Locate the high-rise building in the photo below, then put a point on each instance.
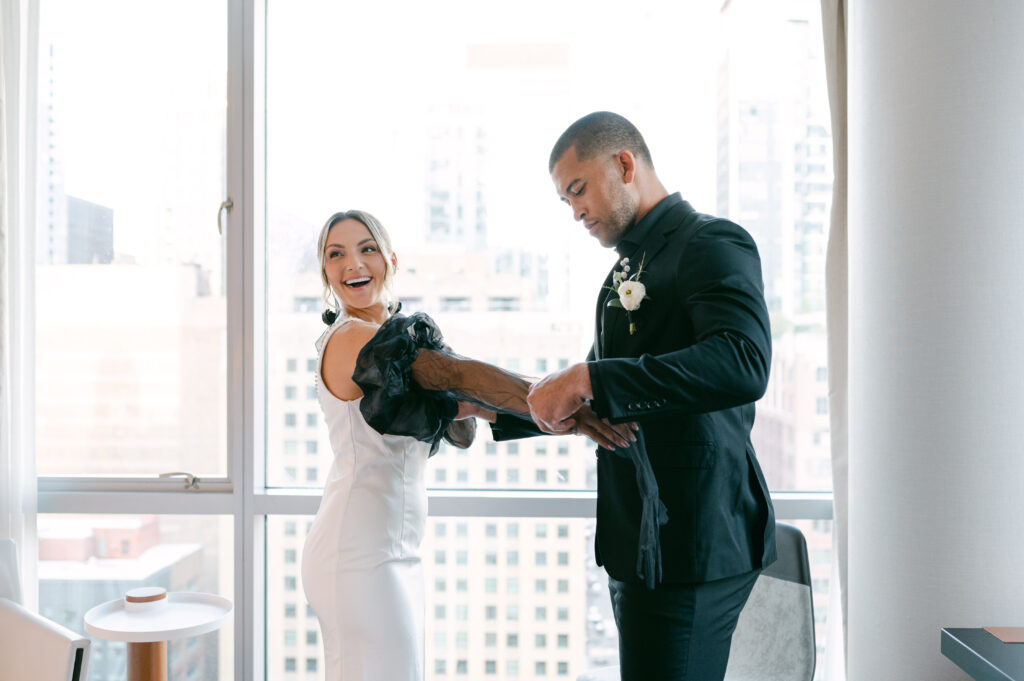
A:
(90, 229)
(774, 178)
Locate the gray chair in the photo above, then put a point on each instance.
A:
(33, 648)
(774, 637)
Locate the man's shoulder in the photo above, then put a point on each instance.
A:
(690, 223)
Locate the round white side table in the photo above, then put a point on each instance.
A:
(147, 617)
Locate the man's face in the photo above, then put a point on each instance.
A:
(598, 194)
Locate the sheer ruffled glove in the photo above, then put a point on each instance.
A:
(653, 513)
(412, 382)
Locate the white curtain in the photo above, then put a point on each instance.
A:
(834, 22)
(18, 40)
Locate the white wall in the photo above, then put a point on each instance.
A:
(936, 227)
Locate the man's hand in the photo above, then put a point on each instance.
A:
(602, 433)
(555, 398)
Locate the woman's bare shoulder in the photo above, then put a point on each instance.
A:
(340, 357)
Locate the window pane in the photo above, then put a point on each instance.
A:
(130, 312)
(85, 561)
(454, 170)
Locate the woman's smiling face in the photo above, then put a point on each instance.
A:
(355, 267)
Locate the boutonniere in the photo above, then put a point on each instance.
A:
(631, 292)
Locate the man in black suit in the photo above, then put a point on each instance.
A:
(682, 349)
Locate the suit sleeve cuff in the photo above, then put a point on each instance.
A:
(508, 427)
(598, 402)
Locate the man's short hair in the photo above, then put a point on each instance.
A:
(601, 132)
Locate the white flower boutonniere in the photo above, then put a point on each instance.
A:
(631, 292)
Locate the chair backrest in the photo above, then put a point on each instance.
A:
(774, 637)
(10, 584)
(33, 648)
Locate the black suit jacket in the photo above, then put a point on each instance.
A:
(689, 375)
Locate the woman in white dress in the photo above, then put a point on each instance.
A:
(389, 390)
(361, 567)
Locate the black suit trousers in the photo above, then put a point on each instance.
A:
(678, 632)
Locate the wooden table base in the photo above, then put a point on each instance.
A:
(147, 661)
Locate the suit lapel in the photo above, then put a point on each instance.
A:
(612, 323)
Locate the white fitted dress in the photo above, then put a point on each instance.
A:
(361, 567)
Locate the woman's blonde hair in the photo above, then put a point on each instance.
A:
(379, 234)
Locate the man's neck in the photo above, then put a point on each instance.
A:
(649, 198)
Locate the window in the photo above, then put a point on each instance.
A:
(540, 641)
(221, 382)
(455, 304)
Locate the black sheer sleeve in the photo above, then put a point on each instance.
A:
(412, 382)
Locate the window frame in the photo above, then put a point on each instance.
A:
(243, 493)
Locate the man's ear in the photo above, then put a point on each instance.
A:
(626, 165)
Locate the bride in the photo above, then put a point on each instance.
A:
(390, 390)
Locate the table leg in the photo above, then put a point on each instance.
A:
(147, 661)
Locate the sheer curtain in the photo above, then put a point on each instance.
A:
(18, 40)
(834, 22)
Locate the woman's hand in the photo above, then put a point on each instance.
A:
(468, 410)
(602, 433)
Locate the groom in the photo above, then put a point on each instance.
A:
(682, 348)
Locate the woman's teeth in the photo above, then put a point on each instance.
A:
(356, 283)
